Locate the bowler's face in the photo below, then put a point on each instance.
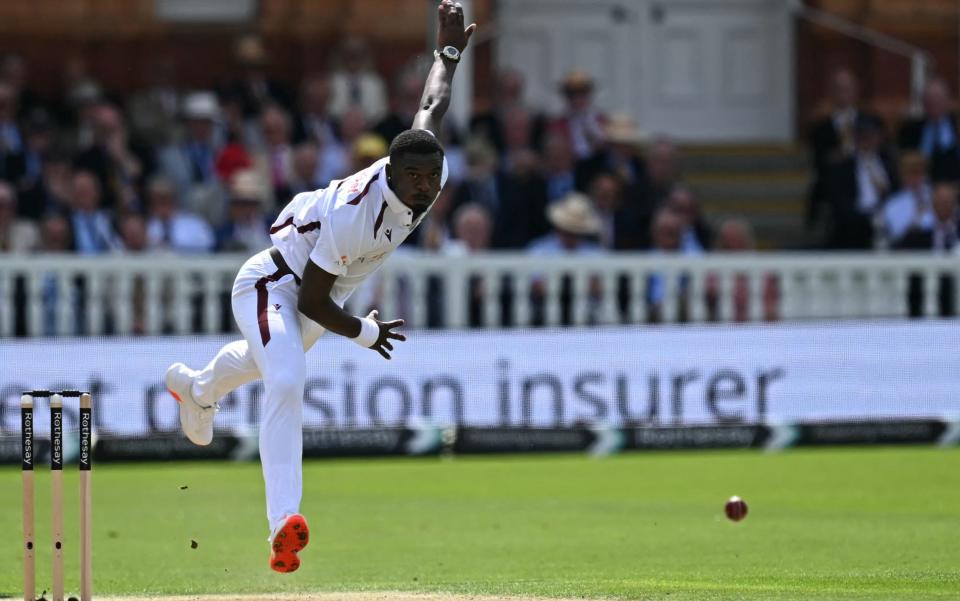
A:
(416, 179)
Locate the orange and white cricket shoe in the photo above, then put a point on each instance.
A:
(288, 540)
(196, 420)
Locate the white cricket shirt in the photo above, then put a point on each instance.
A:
(348, 228)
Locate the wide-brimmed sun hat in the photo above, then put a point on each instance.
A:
(574, 213)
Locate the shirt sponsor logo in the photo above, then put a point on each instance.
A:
(373, 258)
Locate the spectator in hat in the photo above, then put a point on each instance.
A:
(858, 186)
(935, 133)
(621, 157)
(247, 226)
(254, 89)
(832, 139)
(910, 210)
(576, 226)
(620, 153)
(171, 228)
(581, 123)
(191, 163)
(355, 84)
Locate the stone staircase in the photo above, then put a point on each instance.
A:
(766, 184)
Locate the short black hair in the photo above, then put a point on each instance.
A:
(414, 141)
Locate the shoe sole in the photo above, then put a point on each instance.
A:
(292, 538)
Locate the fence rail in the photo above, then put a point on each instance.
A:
(68, 295)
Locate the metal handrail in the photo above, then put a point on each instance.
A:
(920, 60)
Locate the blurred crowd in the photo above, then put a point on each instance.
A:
(162, 169)
(199, 171)
(874, 190)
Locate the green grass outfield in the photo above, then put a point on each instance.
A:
(864, 523)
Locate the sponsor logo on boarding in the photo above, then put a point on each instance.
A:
(84, 438)
(27, 441)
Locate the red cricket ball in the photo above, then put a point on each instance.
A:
(736, 509)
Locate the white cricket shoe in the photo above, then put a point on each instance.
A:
(196, 420)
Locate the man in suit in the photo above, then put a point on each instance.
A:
(581, 123)
(857, 185)
(832, 139)
(943, 236)
(935, 134)
(910, 209)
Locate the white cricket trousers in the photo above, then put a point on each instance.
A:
(276, 338)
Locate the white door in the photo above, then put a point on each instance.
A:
(717, 69)
(698, 70)
(545, 39)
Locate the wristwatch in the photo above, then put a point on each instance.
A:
(448, 52)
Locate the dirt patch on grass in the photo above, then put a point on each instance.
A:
(371, 596)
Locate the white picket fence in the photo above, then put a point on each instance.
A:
(157, 294)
